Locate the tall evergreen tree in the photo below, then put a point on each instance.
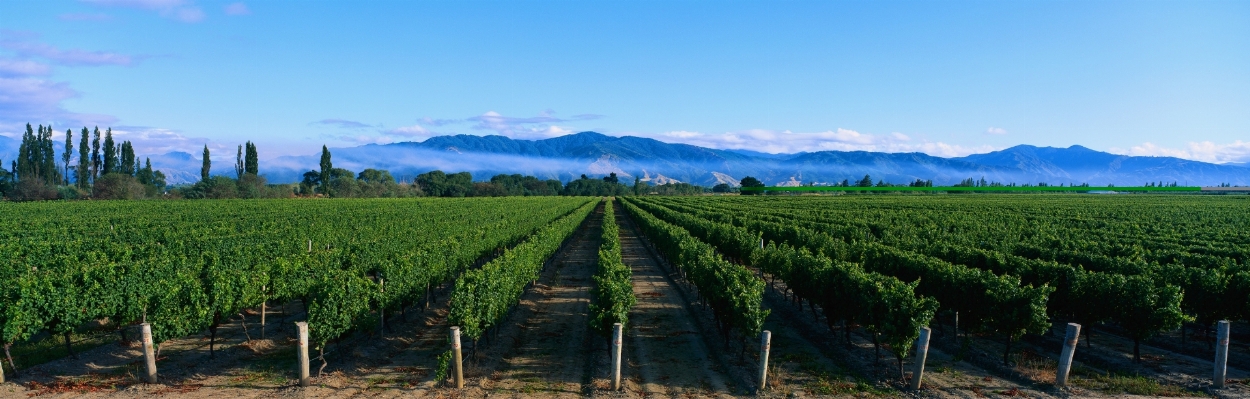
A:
(69, 150)
(84, 159)
(25, 168)
(251, 160)
(238, 163)
(128, 164)
(206, 167)
(96, 162)
(144, 174)
(36, 160)
(865, 182)
(49, 159)
(110, 154)
(326, 167)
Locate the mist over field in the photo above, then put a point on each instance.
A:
(596, 155)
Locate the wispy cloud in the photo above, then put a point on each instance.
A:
(343, 123)
(85, 17)
(786, 141)
(545, 125)
(180, 10)
(237, 9)
(1205, 151)
(17, 67)
(998, 131)
(362, 139)
(427, 121)
(27, 95)
(155, 140)
(27, 99)
(411, 132)
(26, 44)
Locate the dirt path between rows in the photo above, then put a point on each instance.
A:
(543, 349)
(666, 352)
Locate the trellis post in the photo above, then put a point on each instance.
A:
(149, 353)
(455, 347)
(616, 356)
(922, 353)
(1221, 354)
(303, 353)
(766, 338)
(1070, 339)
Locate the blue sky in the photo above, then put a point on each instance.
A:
(945, 78)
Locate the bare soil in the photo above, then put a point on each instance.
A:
(665, 346)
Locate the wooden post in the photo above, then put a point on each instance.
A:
(617, 340)
(149, 353)
(302, 351)
(766, 338)
(761, 270)
(956, 327)
(1221, 354)
(310, 246)
(262, 312)
(455, 348)
(922, 353)
(1069, 350)
(382, 310)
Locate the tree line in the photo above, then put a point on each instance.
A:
(103, 170)
(106, 169)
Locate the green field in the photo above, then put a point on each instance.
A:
(1009, 265)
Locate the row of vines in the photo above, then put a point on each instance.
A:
(613, 292)
(1008, 264)
(188, 267)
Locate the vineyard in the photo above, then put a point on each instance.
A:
(844, 284)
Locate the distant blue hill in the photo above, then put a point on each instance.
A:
(596, 155)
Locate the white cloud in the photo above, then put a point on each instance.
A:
(27, 96)
(414, 131)
(181, 10)
(428, 121)
(155, 140)
(772, 141)
(26, 45)
(526, 128)
(237, 9)
(18, 67)
(998, 131)
(366, 139)
(1205, 151)
(343, 123)
(85, 17)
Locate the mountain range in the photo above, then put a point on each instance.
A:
(595, 155)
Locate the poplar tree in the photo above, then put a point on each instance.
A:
(36, 160)
(326, 166)
(238, 163)
(207, 165)
(251, 160)
(69, 150)
(95, 155)
(110, 154)
(128, 164)
(25, 169)
(49, 158)
(84, 159)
